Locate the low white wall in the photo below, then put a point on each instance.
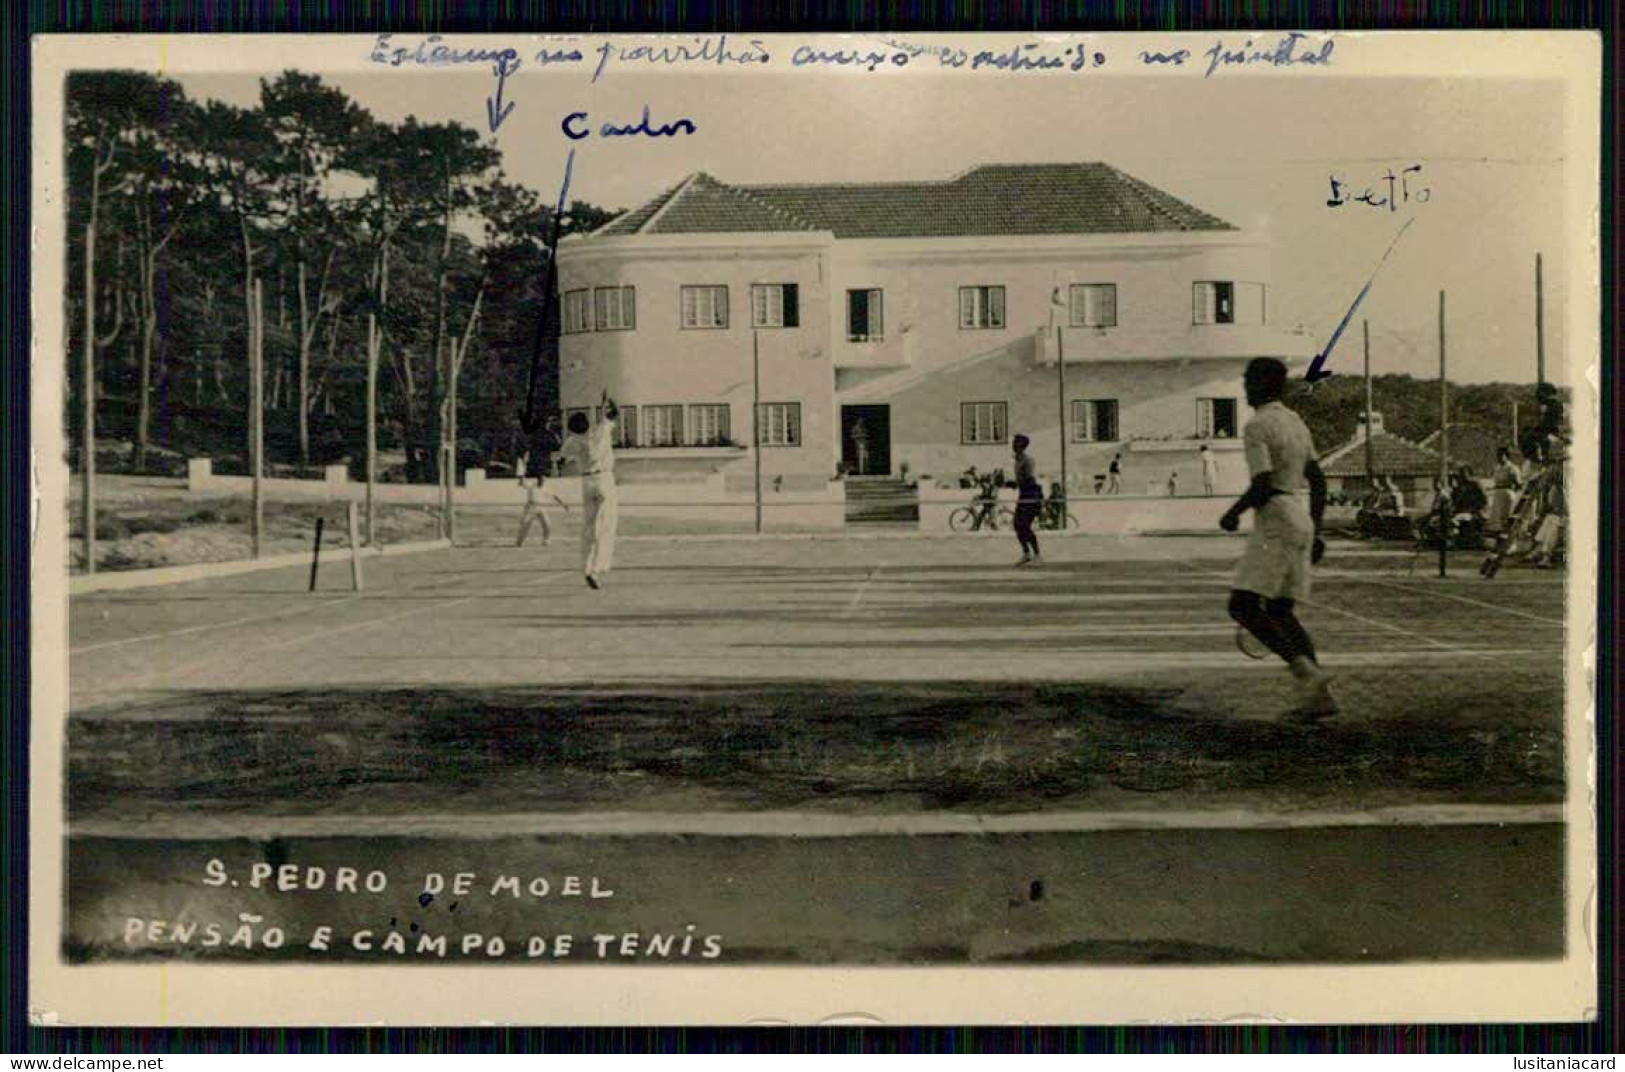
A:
(690, 501)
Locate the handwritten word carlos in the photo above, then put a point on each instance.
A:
(1399, 191)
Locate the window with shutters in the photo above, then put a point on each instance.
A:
(1094, 305)
(708, 425)
(981, 307)
(778, 424)
(705, 307)
(662, 426)
(983, 423)
(577, 311)
(1227, 303)
(615, 308)
(1094, 420)
(775, 305)
(626, 427)
(864, 320)
(1216, 418)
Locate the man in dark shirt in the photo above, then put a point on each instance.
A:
(1030, 496)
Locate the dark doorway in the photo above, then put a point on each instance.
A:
(866, 440)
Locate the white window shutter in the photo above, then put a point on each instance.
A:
(967, 307)
(1108, 306)
(1203, 297)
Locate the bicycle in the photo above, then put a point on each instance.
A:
(984, 511)
(1053, 515)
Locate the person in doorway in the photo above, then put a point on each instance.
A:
(1210, 470)
(860, 446)
(1029, 501)
(589, 450)
(1114, 475)
(1273, 576)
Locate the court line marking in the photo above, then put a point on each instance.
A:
(1459, 599)
(188, 667)
(253, 619)
(106, 644)
(791, 824)
(857, 597)
(1339, 610)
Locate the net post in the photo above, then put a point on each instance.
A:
(352, 516)
(316, 553)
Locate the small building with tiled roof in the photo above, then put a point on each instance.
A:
(1474, 446)
(880, 325)
(1411, 465)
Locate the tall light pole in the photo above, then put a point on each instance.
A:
(756, 417)
(1540, 325)
(1444, 446)
(1057, 301)
(1370, 467)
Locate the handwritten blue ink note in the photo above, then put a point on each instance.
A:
(430, 53)
(708, 50)
(495, 110)
(1399, 191)
(575, 127)
(1284, 54)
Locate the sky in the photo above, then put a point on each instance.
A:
(1257, 152)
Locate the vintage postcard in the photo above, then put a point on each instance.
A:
(769, 529)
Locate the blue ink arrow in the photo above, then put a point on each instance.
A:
(495, 110)
(1316, 372)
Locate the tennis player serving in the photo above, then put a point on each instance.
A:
(1273, 575)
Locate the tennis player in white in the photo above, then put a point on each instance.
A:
(1288, 497)
(589, 449)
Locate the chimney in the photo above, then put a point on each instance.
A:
(1376, 425)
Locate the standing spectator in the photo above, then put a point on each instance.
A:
(1114, 475)
(1210, 470)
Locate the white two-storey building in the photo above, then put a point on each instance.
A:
(873, 326)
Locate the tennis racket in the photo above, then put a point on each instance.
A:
(1250, 645)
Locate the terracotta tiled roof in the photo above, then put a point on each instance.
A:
(632, 222)
(995, 199)
(1473, 446)
(1391, 455)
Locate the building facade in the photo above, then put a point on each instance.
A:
(914, 328)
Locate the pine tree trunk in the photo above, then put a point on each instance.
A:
(304, 367)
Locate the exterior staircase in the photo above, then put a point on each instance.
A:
(881, 501)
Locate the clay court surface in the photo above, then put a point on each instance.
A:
(1080, 721)
(843, 674)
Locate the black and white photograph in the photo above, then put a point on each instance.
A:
(793, 529)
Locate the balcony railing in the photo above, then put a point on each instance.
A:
(892, 350)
